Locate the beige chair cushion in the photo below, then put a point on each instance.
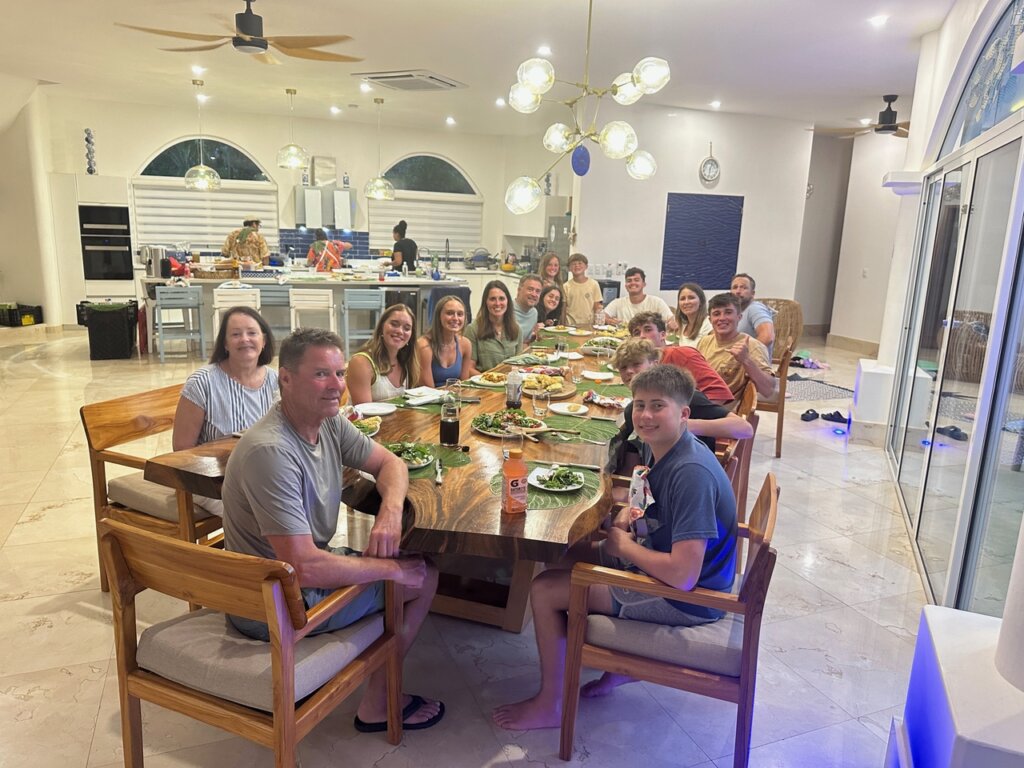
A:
(201, 650)
(713, 647)
(135, 492)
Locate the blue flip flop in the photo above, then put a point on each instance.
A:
(410, 709)
(809, 415)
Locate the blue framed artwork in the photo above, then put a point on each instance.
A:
(702, 240)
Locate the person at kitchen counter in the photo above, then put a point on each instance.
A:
(624, 308)
(325, 254)
(247, 244)
(405, 249)
(582, 294)
(494, 335)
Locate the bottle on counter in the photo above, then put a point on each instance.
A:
(449, 432)
(513, 483)
(405, 269)
(514, 390)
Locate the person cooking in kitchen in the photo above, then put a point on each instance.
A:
(247, 244)
(404, 251)
(325, 254)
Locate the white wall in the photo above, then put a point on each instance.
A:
(868, 231)
(763, 159)
(823, 228)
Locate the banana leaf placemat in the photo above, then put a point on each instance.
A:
(538, 499)
(610, 390)
(450, 457)
(401, 402)
(589, 429)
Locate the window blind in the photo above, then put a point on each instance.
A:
(432, 217)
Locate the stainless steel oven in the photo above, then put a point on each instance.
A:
(106, 242)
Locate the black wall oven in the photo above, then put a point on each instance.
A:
(106, 242)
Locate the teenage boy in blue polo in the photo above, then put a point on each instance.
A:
(690, 542)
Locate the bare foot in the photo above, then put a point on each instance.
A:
(373, 715)
(527, 715)
(607, 683)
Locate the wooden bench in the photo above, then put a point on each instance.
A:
(130, 498)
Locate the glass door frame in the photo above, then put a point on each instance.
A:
(959, 578)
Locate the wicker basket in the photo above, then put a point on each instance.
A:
(215, 273)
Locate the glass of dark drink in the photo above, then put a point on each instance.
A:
(450, 423)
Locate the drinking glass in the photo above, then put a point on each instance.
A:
(449, 431)
(540, 404)
(511, 442)
(599, 318)
(576, 368)
(561, 348)
(455, 387)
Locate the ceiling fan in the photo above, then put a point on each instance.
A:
(247, 36)
(886, 124)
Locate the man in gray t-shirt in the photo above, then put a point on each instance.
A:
(282, 494)
(525, 305)
(756, 319)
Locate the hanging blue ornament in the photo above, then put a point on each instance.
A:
(580, 160)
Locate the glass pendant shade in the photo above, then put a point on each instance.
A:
(558, 138)
(522, 99)
(641, 165)
(202, 178)
(624, 91)
(651, 74)
(537, 75)
(523, 195)
(292, 156)
(379, 188)
(618, 140)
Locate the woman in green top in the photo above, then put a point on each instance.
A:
(494, 335)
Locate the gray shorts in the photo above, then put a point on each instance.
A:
(369, 601)
(637, 606)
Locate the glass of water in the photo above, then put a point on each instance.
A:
(455, 387)
(561, 348)
(599, 318)
(576, 369)
(540, 404)
(511, 442)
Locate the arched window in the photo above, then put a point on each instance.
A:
(992, 93)
(229, 162)
(427, 173)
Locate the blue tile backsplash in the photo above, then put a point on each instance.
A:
(301, 239)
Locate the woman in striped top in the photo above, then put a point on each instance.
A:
(233, 391)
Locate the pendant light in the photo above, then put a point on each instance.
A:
(201, 177)
(379, 188)
(291, 155)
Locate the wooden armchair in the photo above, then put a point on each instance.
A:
(788, 321)
(272, 693)
(717, 659)
(130, 498)
(778, 404)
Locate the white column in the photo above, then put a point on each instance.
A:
(1009, 655)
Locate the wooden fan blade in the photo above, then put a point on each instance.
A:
(198, 47)
(310, 53)
(265, 58)
(901, 133)
(904, 124)
(842, 133)
(171, 33)
(307, 41)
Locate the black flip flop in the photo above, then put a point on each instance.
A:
(809, 415)
(410, 709)
(835, 416)
(953, 431)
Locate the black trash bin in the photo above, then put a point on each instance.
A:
(111, 328)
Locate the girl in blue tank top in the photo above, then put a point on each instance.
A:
(443, 352)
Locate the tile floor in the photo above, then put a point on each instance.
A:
(836, 645)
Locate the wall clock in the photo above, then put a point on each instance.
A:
(710, 169)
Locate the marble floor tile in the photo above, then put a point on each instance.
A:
(896, 548)
(33, 570)
(487, 654)
(846, 745)
(9, 516)
(856, 663)
(900, 614)
(20, 486)
(45, 521)
(790, 595)
(879, 722)
(229, 753)
(63, 484)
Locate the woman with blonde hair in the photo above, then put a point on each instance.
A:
(443, 352)
(494, 335)
(550, 269)
(386, 365)
(690, 316)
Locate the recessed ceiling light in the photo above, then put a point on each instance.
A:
(365, 87)
(878, 21)
(335, 110)
(449, 120)
(202, 98)
(865, 121)
(671, 114)
(499, 102)
(544, 50)
(197, 70)
(715, 104)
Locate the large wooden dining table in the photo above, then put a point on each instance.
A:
(461, 519)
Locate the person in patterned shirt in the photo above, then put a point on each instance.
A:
(247, 244)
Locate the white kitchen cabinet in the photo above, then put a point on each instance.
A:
(535, 223)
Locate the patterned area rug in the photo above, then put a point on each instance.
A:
(963, 408)
(798, 389)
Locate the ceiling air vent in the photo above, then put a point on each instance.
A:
(410, 80)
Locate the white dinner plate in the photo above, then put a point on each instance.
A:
(370, 434)
(568, 409)
(375, 409)
(478, 379)
(541, 472)
(604, 328)
(580, 332)
(573, 356)
(559, 328)
(598, 375)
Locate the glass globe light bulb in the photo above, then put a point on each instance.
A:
(202, 178)
(379, 188)
(651, 74)
(617, 140)
(537, 75)
(641, 165)
(292, 156)
(522, 99)
(523, 195)
(558, 138)
(624, 91)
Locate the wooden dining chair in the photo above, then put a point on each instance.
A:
(197, 664)
(777, 405)
(130, 498)
(717, 659)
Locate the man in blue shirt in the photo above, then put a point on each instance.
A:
(525, 305)
(685, 538)
(757, 319)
